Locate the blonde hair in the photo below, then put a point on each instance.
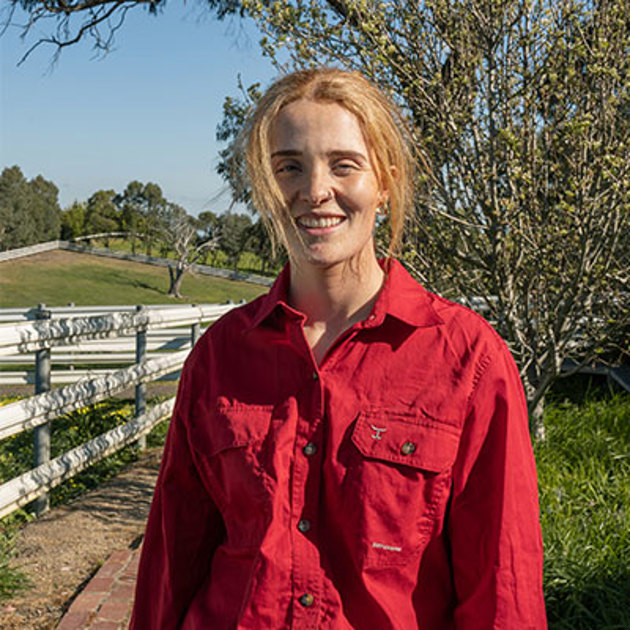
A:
(380, 122)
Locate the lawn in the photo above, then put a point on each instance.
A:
(584, 481)
(58, 278)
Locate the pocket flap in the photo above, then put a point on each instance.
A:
(231, 426)
(409, 440)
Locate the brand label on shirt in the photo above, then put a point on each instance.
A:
(378, 545)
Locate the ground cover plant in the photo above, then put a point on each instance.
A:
(57, 278)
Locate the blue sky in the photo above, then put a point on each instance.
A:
(146, 111)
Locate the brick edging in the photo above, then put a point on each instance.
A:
(105, 603)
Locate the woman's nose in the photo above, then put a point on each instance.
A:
(317, 187)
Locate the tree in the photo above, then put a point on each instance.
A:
(522, 108)
(77, 20)
(101, 214)
(257, 240)
(29, 210)
(73, 221)
(181, 232)
(232, 234)
(208, 227)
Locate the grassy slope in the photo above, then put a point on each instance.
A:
(58, 278)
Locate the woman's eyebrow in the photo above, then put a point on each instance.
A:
(286, 153)
(347, 153)
(335, 153)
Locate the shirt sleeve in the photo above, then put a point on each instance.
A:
(494, 526)
(183, 530)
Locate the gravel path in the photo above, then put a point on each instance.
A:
(61, 551)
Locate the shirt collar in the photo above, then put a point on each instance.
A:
(401, 297)
(404, 298)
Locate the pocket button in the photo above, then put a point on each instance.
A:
(408, 448)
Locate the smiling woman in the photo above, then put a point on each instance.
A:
(324, 170)
(349, 450)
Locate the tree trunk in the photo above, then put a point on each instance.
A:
(536, 421)
(176, 275)
(535, 385)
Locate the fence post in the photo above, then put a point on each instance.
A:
(141, 388)
(41, 434)
(195, 332)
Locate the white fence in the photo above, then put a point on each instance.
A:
(128, 326)
(80, 247)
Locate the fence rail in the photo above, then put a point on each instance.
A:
(45, 337)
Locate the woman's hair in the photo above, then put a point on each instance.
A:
(380, 122)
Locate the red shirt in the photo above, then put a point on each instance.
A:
(392, 486)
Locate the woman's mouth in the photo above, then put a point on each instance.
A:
(311, 221)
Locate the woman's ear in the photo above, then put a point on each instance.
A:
(384, 193)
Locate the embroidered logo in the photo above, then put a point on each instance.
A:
(378, 545)
(379, 430)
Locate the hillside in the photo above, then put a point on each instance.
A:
(57, 278)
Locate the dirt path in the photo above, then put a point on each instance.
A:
(62, 550)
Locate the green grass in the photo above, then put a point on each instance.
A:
(584, 480)
(57, 278)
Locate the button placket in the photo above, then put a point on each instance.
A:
(305, 488)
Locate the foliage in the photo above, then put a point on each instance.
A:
(73, 221)
(101, 213)
(12, 579)
(233, 234)
(29, 210)
(141, 208)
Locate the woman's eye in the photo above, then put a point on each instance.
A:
(285, 168)
(344, 167)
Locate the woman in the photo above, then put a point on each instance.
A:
(349, 450)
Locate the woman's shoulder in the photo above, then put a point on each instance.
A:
(469, 328)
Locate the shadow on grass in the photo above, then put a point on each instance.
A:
(601, 602)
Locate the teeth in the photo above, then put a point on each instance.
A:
(319, 222)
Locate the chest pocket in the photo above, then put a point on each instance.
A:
(401, 474)
(232, 444)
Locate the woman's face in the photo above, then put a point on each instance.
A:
(325, 173)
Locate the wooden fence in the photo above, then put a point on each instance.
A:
(45, 333)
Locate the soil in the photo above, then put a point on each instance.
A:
(61, 551)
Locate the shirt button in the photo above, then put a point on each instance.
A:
(306, 600)
(315, 375)
(408, 448)
(309, 449)
(304, 525)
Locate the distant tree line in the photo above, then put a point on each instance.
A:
(30, 213)
(29, 210)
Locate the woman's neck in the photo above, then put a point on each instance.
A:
(333, 298)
